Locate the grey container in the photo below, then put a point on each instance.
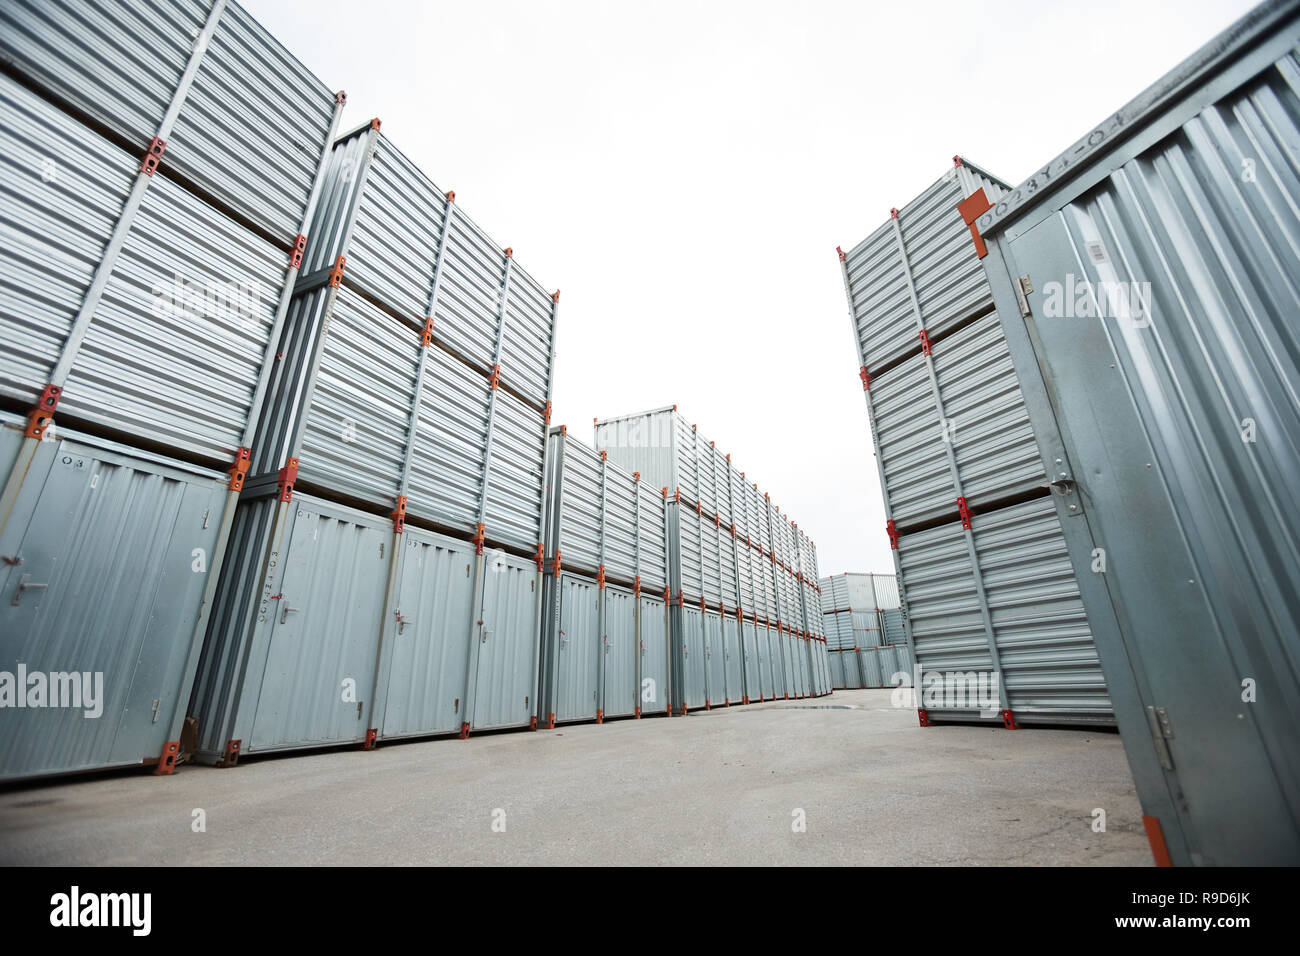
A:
(241, 118)
(107, 556)
(1168, 415)
(309, 646)
(416, 367)
(983, 574)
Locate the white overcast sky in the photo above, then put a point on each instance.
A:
(684, 171)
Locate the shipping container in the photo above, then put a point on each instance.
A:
(1145, 282)
(167, 160)
(410, 403)
(989, 599)
(732, 556)
(607, 528)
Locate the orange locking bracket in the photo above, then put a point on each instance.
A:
(239, 470)
(546, 414)
(336, 273)
(478, 538)
(426, 336)
(288, 475)
(557, 563)
(152, 156)
(299, 247)
(42, 414)
(541, 559)
(399, 515)
(971, 208)
(496, 377)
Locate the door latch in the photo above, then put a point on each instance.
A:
(1162, 731)
(286, 610)
(1023, 288)
(25, 583)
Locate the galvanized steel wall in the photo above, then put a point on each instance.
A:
(1146, 283)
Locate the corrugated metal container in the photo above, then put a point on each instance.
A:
(1146, 284)
(732, 555)
(153, 242)
(837, 671)
(421, 367)
(981, 561)
(107, 556)
(300, 652)
(250, 121)
(602, 523)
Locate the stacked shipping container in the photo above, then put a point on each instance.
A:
(386, 567)
(605, 642)
(160, 163)
(866, 639)
(739, 591)
(982, 564)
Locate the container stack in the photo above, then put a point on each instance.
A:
(866, 634)
(985, 577)
(161, 163)
(604, 650)
(385, 575)
(739, 594)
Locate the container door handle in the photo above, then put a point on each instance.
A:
(486, 632)
(25, 583)
(286, 610)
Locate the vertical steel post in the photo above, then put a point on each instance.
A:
(602, 610)
(478, 634)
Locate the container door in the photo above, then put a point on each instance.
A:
(426, 683)
(696, 664)
(715, 686)
(837, 670)
(653, 694)
(324, 632)
(734, 666)
(105, 561)
(506, 666)
(577, 659)
(619, 649)
(753, 678)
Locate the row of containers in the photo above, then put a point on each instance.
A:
(745, 620)
(866, 634)
(622, 637)
(1129, 315)
(982, 566)
(274, 410)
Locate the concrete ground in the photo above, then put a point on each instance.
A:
(723, 787)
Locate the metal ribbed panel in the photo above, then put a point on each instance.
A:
(649, 443)
(355, 432)
(253, 126)
(119, 62)
(705, 474)
(526, 347)
(885, 587)
(652, 541)
(947, 627)
(469, 301)
(620, 524)
(870, 669)
(175, 348)
(690, 569)
(399, 220)
(61, 191)
(740, 493)
(514, 504)
(745, 557)
(696, 664)
(430, 662)
(893, 629)
(882, 311)
(722, 482)
(727, 565)
(710, 558)
(107, 585)
(837, 670)
(867, 628)
(450, 444)
(580, 515)
(997, 455)
(909, 439)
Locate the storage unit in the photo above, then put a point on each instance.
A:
(162, 161)
(604, 650)
(986, 586)
(745, 573)
(861, 617)
(1146, 285)
(403, 444)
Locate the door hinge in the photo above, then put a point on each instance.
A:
(1161, 731)
(1023, 288)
